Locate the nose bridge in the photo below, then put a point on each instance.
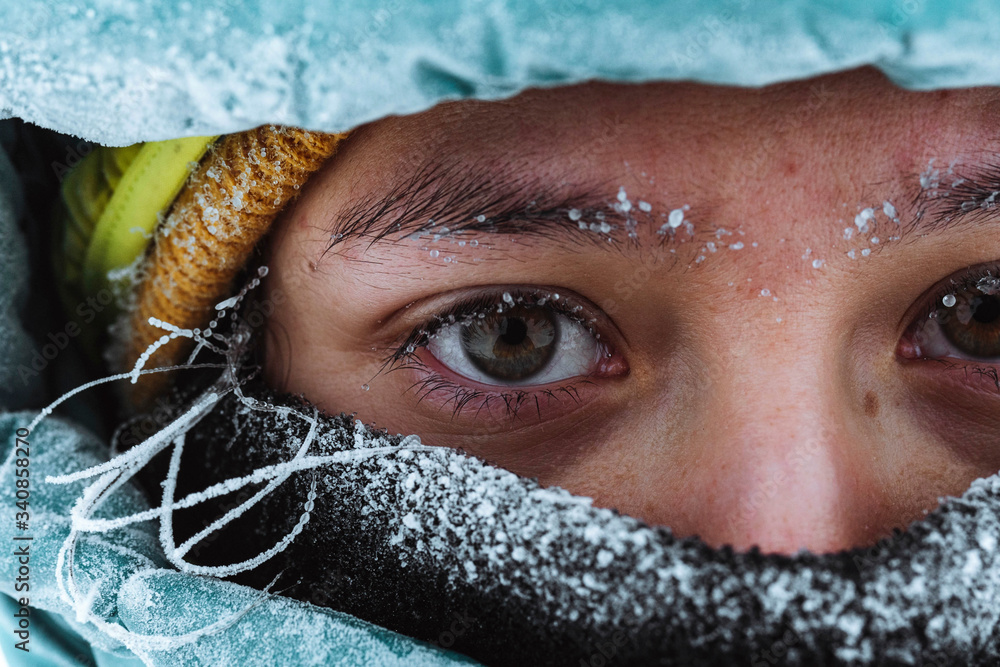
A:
(782, 462)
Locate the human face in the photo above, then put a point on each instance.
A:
(767, 331)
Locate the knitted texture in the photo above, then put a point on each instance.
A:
(225, 208)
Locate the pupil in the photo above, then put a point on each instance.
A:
(987, 311)
(514, 331)
(514, 346)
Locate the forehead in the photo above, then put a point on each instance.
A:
(794, 152)
(855, 122)
(780, 159)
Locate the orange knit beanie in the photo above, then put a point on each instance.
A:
(198, 248)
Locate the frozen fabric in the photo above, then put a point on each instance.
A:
(420, 538)
(122, 71)
(125, 583)
(121, 577)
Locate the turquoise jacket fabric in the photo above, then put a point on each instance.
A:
(131, 70)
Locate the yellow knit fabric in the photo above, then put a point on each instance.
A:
(228, 204)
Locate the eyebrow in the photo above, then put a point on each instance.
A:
(439, 200)
(956, 195)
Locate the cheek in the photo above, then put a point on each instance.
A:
(968, 429)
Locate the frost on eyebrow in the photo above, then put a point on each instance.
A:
(440, 201)
(941, 198)
(954, 194)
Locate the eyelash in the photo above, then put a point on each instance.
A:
(989, 372)
(512, 400)
(404, 356)
(966, 281)
(972, 277)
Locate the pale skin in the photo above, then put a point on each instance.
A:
(754, 396)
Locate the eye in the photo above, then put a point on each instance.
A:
(517, 345)
(962, 321)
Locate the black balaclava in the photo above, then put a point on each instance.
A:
(444, 547)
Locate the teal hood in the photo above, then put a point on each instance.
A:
(127, 71)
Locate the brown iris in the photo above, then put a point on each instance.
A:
(972, 324)
(511, 345)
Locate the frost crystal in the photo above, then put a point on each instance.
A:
(228, 303)
(930, 178)
(862, 219)
(676, 218)
(989, 285)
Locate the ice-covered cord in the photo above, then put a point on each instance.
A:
(118, 471)
(259, 475)
(237, 511)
